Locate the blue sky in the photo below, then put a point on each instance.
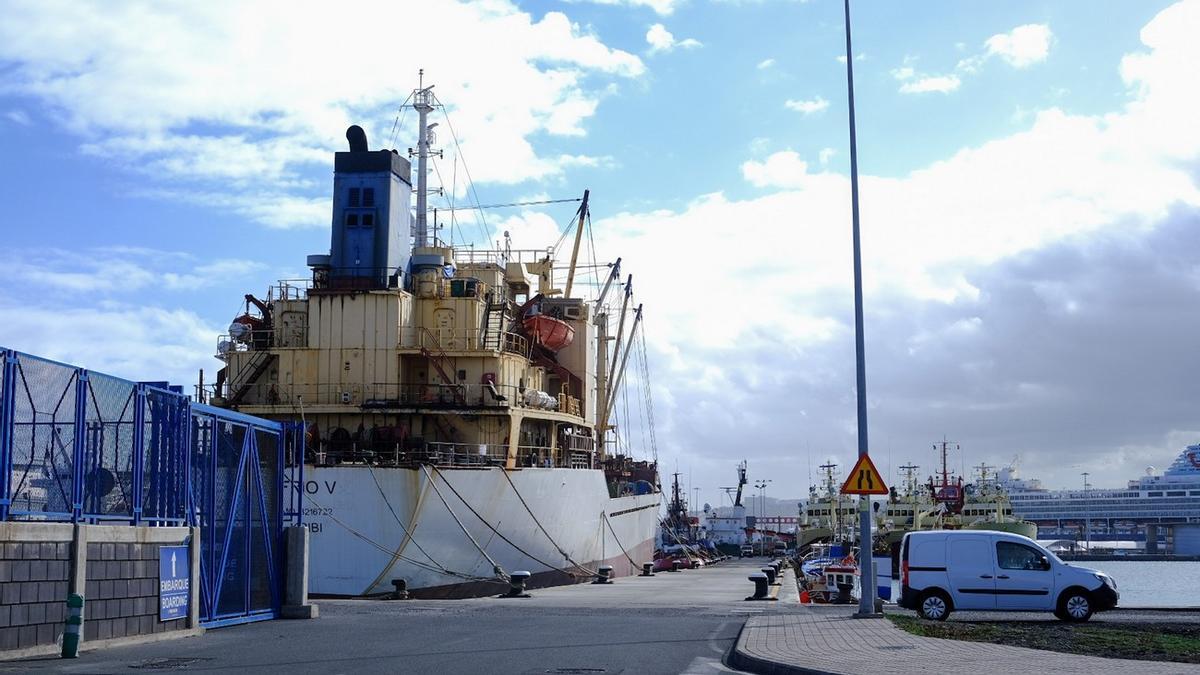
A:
(161, 161)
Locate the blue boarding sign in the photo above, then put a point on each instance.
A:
(174, 583)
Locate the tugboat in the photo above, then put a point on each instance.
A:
(458, 402)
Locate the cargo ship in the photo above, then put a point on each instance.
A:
(458, 402)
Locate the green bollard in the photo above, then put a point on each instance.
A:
(70, 647)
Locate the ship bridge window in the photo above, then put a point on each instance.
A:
(354, 197)
(351, 220)
(1177, 493)
(368, 220)
(368, 197)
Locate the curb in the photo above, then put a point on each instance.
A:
(86, 646)
(740, 660)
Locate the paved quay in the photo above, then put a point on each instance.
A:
(830, 640)
(687, 622)
(681, 622)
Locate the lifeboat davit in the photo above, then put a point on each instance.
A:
(551, 333)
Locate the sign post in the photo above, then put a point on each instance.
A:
(174, 583)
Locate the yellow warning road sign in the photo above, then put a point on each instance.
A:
(864, 479)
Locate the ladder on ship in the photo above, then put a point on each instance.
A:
(257, 366)
(440, 361)
(494, 320)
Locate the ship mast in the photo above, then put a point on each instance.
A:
(423, 103)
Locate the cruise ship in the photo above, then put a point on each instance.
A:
(1160, 504)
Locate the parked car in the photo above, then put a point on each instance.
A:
(747, 551)
(942, 571)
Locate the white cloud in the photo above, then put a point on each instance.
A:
(113, 271)
(210, 101)
(18, 116)
(133, 342)
(826, 154)
(1023, 46)
(765, 63)
(927, 83)
(660, 7)
(781, 170)
(1065, 177)
(808, 107)
(841, 58)
(661, 40)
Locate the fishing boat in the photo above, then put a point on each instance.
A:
(827, 515)
(458, 402)
(945, 501)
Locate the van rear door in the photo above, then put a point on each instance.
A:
(972, 573)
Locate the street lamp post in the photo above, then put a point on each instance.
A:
(1087, 513)
(761, 484)
(866, 603)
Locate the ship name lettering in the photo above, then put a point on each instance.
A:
(312, 487)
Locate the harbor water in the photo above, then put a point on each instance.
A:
(1153, 583)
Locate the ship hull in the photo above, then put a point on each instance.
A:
(444, 531)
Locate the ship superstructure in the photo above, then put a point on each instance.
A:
(457, 401)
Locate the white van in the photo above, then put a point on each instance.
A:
(946, 570)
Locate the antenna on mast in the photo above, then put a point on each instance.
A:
(423, 103)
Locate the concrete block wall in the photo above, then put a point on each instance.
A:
(35, 574)
(115, 568)
(121, 591)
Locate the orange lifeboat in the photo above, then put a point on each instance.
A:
(551, 333)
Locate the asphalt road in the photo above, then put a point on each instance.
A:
(671, 623)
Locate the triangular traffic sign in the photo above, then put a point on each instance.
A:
(864, 479)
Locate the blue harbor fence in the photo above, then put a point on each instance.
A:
(84, 447)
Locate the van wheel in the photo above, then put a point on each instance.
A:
(1074, 605)
(933, 605)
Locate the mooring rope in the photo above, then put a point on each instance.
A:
(409, 535)
(500, 534)
(618, 540)
(390, 552)
(496, 568)
(565, 555)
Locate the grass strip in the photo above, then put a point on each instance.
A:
(1141, 641)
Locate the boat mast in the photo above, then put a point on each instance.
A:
(423, 103)
(583, 212)
(601, 322)
(620, 372)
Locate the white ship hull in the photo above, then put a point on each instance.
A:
(358, 519)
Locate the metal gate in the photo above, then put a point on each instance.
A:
(240, 465)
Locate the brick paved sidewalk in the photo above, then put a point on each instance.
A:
(829, 640)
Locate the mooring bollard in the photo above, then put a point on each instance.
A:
(769, 572)
(401, 592)
(647, 569)
(676, 565)
(760, 586)
(70, 647)
(516, 585)
(604, 575)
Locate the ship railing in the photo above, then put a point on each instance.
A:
(406, 452)
(289, 289)
(547, 457)
(251, 340)
(471, 256)
(460, 339)
(377, 395)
